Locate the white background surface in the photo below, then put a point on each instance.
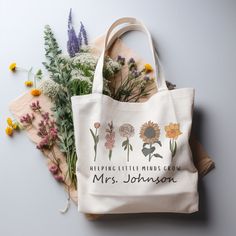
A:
(197, 44)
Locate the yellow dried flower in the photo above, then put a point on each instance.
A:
(9, 131)
(35, 92)
(9, 121)
(12, 67)
(28, 83)
(148, 68)
(15, 126)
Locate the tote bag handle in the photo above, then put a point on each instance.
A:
(131, 27)
(133, 24)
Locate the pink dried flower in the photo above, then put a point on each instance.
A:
(59, 178)
(27, 119)
(35, 106)
(47, 131)
(53, 169)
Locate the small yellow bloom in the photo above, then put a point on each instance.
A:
(172, 131)
(35, 92)
(148, 68)
(15, 126)
(12, 67)
(9, 131)
(28, 83)
(9, 121)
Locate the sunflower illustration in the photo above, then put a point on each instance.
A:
(150, 134)
(173, 132)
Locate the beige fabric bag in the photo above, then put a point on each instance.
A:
(134, 157)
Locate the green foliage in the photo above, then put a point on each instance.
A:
(60, 73)
(73, 76)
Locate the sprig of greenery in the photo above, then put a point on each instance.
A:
(74, 77)
(60, 73)
(136, 85)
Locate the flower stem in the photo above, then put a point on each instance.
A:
(95, 146)
(150, 155)
(29, 73)
(110, 154)
(128, 149)
(56, 160)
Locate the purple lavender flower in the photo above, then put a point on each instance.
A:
(131, 61)
(132, 64)
(83, 34)
(135, 73)
(121, 60)
(73, 46)
(80, 39)
(146, 78)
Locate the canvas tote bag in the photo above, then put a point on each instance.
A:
(134, 157)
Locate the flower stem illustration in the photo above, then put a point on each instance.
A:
(95, 138)
(127, 131)
(110, 138)
(150, 133)
(173, 132)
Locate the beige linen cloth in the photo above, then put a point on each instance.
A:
(20, 106)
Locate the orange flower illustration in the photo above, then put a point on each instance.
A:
(173, 132)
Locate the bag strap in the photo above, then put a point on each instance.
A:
(133, 24)
(120, 32)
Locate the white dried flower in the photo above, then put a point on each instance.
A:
(85, 48)
(111, 67)
(86, 59)
(49, 88)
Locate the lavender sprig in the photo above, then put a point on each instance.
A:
(80, 39)
(83, 33)
(73, 46)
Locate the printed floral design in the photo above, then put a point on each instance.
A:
(110, 138)
(95, 138)
(150, 134)
(173, 132)
(127, 131)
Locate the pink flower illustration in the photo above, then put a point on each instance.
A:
(95, 137)
(110, 138)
